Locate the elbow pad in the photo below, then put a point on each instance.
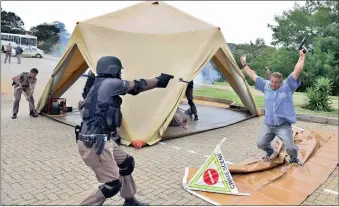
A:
(139, 86)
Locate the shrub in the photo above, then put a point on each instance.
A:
(317, 97)
(324, 85)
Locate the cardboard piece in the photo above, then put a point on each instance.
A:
(277, 182)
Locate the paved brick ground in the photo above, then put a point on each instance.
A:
(40, 164)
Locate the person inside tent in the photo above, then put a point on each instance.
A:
(189, 96)
(101, 116)
(181, 118)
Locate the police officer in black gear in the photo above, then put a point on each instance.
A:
(189, 96)
(102, 116)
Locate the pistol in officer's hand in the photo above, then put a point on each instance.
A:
(163, 80)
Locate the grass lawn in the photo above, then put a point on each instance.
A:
(223, 90)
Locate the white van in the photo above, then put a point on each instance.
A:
(33, 52)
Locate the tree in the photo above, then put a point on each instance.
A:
(11, 23)
(61, 27)
(232, 46)
(45, 31)
(257, 54)
(52, 37)
(318, 21)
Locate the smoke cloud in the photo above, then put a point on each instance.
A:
(59, 48)
(208, 75)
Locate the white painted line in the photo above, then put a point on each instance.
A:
(162, 143)
(331, 191)
(222, 141)
(210, 175)
(175, 147)
(190, 151)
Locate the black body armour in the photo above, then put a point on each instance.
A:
(101, 118)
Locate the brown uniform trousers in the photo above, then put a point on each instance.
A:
(8, 56)
(18, 56)
(105, 167)
(17, 98)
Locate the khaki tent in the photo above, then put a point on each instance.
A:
(150, 38)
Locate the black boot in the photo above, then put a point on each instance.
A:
(196, 117)
(134, 202)
(33, 114)
(14, 116)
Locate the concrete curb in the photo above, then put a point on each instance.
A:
(314, 119)
(218, 100)
(318, 119)
(300, 117)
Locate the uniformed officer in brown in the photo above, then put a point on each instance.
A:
(102, 117)
(25, 82)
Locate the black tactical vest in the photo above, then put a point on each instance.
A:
(103, 117)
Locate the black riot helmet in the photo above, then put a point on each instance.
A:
(109, 66)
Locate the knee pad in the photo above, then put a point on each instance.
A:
(110, 189)
(127, 166)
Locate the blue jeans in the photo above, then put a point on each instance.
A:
(284, 132)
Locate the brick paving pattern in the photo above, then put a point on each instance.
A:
(40, 164)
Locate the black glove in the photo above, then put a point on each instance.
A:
(163, 80)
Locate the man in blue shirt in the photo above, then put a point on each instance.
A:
(279, 109)
(18, 53)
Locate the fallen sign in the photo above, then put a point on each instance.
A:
(214, 176)
(270, 183)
